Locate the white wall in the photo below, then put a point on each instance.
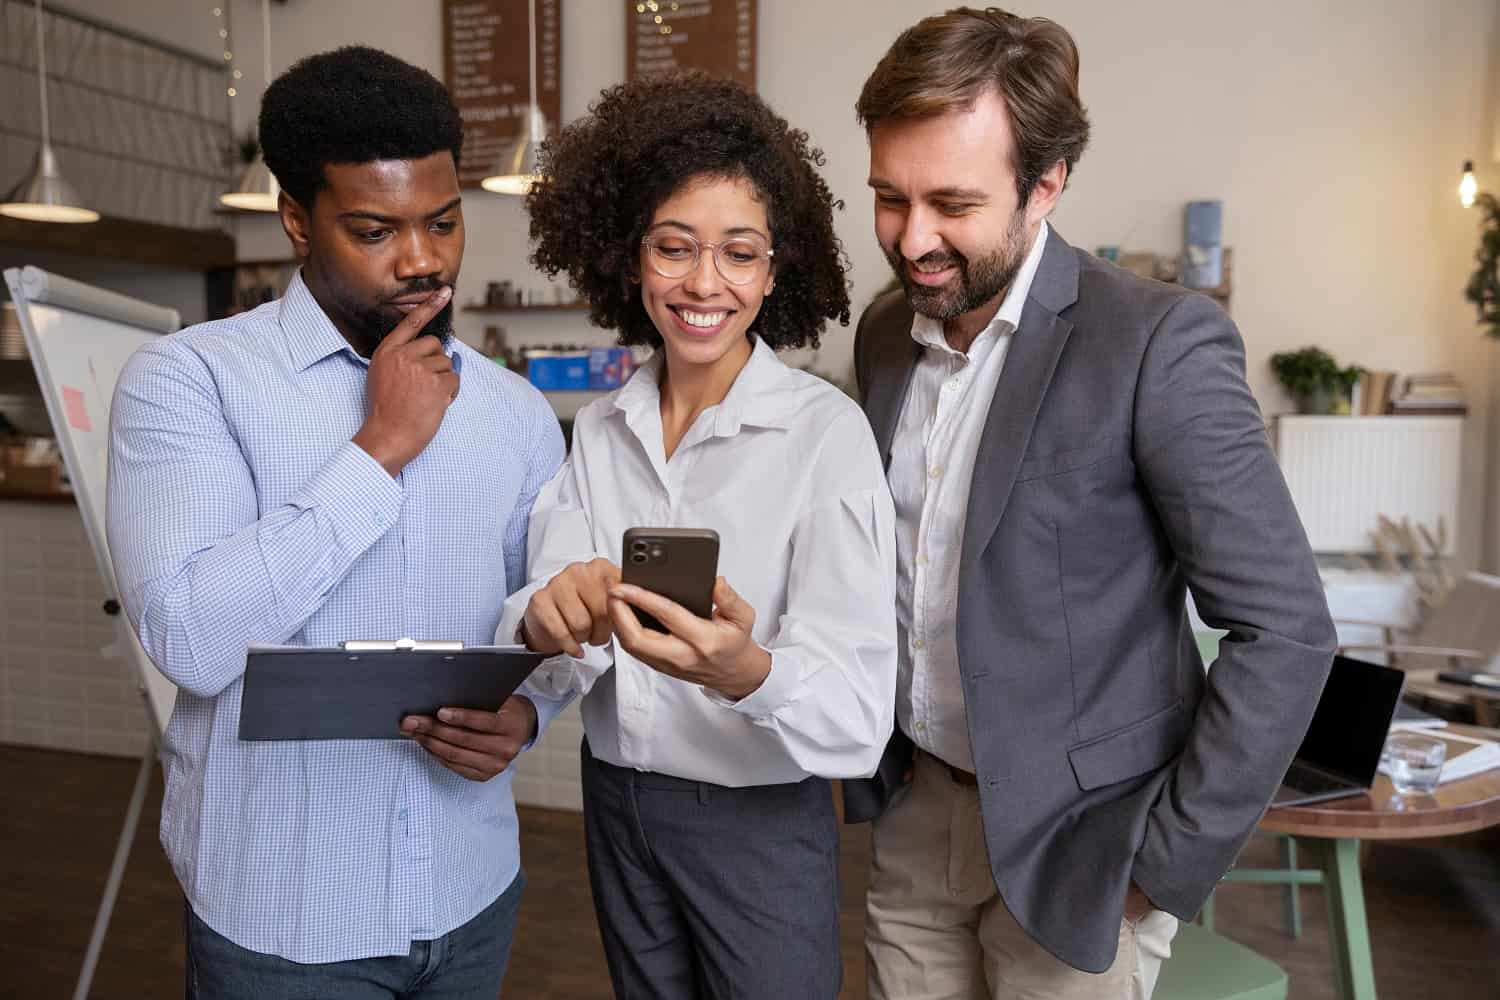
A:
(1333, 131)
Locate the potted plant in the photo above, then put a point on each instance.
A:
(1314, 380)
(1483, 289)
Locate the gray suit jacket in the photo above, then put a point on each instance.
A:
(1123, 461)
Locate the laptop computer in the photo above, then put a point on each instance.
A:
(1341, 751)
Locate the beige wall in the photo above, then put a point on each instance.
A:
(1333, 131)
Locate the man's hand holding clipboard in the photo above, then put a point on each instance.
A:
(457, 702)
(473, 743)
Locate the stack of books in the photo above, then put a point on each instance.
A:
(1430, 396)
(1372, 394)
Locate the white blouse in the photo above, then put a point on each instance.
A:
(786, 470)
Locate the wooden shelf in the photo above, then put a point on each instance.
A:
(125, 239)
(38, 496)
(548, 308)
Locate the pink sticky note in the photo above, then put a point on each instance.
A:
(76, 409)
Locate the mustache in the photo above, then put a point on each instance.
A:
(939, 258)
(418, 286)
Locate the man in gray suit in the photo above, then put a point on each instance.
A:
(1071, 449)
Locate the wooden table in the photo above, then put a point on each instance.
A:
(1331, 832)
(1484, 702)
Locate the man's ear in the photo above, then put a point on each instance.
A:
(1049, 187)
(297, 224)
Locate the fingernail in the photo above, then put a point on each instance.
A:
(445, 714)
(445, 293)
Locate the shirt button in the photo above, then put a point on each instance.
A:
(921, 559)
(937, 472)
(918, 644)
(921, 727)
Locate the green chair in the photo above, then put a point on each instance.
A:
(1205, 966)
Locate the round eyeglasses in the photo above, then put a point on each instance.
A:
(740, 261)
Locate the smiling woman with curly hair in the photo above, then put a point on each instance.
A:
(693, 219)
(606, 174)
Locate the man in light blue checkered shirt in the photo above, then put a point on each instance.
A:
(329, 466)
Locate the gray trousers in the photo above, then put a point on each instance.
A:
(713, 892)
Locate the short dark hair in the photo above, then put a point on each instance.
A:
(352, 105)
(605, 174)
(945, 62)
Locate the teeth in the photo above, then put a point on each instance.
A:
(703, 319)
(929, 268)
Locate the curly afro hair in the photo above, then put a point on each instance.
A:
(606, 173)
(352, 105)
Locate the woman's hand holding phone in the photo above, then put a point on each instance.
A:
(717, 653)
(571, 610)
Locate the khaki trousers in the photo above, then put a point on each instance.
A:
(936, 928)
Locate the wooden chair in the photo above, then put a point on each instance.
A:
(1205, 966)
(1462, 633)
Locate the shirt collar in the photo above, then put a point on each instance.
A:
(311, 336)
(757, 398)
(929, 332)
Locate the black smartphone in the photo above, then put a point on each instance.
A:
(680, 564)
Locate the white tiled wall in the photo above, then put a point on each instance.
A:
(547, 774)
(56, 690)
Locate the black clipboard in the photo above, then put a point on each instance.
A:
(362, 690)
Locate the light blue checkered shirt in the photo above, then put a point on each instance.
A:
(239, 513)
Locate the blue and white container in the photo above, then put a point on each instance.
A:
(1203, 253)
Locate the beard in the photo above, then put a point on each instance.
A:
(370, 324)
(979, 279)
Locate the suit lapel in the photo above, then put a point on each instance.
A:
(894, 358)
(1025, 376)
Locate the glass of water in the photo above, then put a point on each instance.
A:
(1414, 762)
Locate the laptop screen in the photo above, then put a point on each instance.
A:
(1352, 718)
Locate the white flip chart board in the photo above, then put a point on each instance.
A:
(80, 337)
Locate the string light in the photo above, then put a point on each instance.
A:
(231, 90)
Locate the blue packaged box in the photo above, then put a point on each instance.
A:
(558, 372)
(610, 367)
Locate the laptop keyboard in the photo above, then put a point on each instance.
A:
(1310, 782)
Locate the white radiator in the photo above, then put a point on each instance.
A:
(1346, 471)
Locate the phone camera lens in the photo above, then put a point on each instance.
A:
(637, 557)
(639, 546)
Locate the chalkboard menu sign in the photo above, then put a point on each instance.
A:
(713, 35)
(487, 70)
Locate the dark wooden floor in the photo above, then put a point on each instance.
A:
(1434, 907)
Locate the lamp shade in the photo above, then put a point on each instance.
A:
(517, 170)
(257, 190)
(44, 195)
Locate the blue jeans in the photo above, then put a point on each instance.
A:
(467, 963)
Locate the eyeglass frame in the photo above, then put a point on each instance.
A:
(648, 241)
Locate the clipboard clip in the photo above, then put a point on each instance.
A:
(402, 646)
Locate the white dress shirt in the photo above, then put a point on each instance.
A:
(932, 465)
(786, 470)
